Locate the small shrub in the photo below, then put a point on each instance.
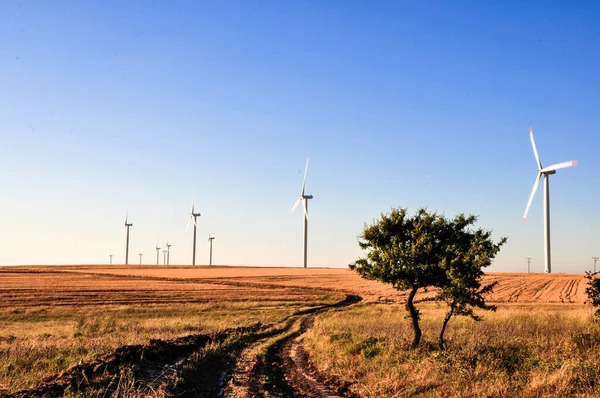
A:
(369, 348)
(343, 336)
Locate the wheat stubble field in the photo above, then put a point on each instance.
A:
(258, 331)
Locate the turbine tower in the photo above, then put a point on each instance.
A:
(168, 252)
(544, 172)
(127, 225)
(595, 260)
(304, 199)
(193, 218)
(164, 257)
(141, 254)
(210, 241)
(157, 254)
(110, 255)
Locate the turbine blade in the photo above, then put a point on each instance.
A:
(305, 209)
(535, 152)
(304, 182)
(296, 204)
(193, 200)
(188, 224)
(535, 185)
(559, 166)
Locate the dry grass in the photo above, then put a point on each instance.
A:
(53, 317)
(520, 351)
(52, 320)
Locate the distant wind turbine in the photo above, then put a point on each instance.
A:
(141, 254)
(304, 199)
(110, 255)
(168, 252)
(127, 225)
(544, 172)
(192, 218)
(210, 242)
(164, 257)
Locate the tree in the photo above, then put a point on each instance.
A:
(593, 291)
(427, 250)
(470, 252)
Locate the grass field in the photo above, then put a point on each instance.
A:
(541, 341)
(520, 351)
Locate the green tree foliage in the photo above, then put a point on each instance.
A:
(593, 291)
(428, 250)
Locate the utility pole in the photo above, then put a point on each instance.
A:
(141, 254)
(164, 257)
(528, 264)
(595, 259)
(168, 252)
(157, 254)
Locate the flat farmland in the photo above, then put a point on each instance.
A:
(228, 329)
(511, 288)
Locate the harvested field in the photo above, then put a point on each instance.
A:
(49, 287)
(56, 318)
(512, 287)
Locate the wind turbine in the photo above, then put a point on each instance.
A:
(164, 257)
(193, 218)
(544, 172)
(210, 241)
(157, 253)
(141, 254)
(304, 199)
(110, 255)
(168, 252)
(127, 225)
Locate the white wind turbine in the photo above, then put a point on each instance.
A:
(192, 218)
(304, 199)
(544, 172)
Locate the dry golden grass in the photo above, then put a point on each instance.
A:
(544, 350)
(53, 317)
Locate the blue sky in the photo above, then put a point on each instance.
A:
(115, 107)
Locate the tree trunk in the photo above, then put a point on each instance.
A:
(414, 314)
(446, 319)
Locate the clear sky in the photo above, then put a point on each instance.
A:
(129, 106)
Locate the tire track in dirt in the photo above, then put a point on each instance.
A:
(146, 367)
(278, 366)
